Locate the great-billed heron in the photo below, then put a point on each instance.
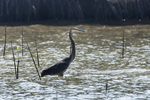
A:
(60, 67)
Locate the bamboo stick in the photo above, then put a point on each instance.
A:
(106, 85)
(34, 62)
(5, 43)
(123, 45)
(37, 51)
(17, 74)
(13, 59)
(22, 40)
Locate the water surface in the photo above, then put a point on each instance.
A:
(98, 60)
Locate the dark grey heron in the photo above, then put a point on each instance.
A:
(60, 67)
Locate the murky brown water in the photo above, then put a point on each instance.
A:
(98, 59)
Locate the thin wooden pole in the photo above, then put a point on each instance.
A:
(22, 40)
(17, 74)
(13, 59)
(106, 85)
(123, 45)
(37, 51)
(34, 61)
(5, 43)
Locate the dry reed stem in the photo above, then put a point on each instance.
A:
(34, 61)
(13, 59)
(22, 40)
(5, 43)
(106, 86)
(17, 74)
(123, 45)
(37, 51)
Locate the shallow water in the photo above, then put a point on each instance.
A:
(98, 60)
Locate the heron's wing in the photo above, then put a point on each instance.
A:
(57, 68)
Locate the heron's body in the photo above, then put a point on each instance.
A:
(60, 67)
(57, 69)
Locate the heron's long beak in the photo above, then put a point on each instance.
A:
(80, 30)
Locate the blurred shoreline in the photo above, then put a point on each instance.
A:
(78, 22)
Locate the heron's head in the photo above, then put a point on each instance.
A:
(74, 28)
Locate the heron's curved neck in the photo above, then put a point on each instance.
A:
(72, 55)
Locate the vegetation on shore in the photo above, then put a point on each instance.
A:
(28, 10)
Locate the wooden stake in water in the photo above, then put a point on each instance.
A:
(106, 86)
(123, 45)
(22, 40)
(13, 59)
(34, 61)
(37, 51)
(5, 42)
(17, 74)
(18, 51)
